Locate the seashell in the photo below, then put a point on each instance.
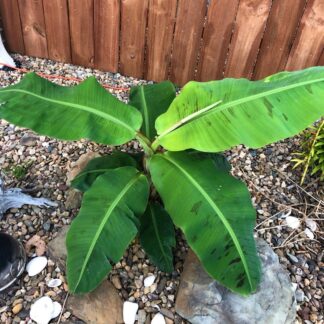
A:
(129, 312)
(36, 265)
(52, 283)
(44, 309)
(292, 222)
(148, 281)
(158, 319)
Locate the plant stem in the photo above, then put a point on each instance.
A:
(145, 143)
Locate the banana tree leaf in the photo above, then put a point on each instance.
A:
(98, 166)
(157, 236)
(214, 211)
(69, 113)
(152, 100)
(214, 116)
(106, 224)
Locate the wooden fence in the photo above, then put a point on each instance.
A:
(176, 39)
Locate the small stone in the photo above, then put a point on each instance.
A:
(17, 308)
(73, 199)
(141, 316)
(292, 258)
(138, 283)
(309, 233)
(116, 282)
(311, 225)
(299, 295)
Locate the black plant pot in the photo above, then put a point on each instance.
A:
(12, 260)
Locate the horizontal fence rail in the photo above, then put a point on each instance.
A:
(180, 40)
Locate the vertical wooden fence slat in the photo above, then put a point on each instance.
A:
(57, 30)
(216, 40)
(309, 42)
(161, 21)
(81, 31)
(132, 44)
(12, 26)
(278, 37)
(321, 59)
(187, 39)
(106, 34)
(249, 27)
(33, 27)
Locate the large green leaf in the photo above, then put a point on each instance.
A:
(100, 165)
(157, 236)
(214, 116)
(214, 211)
(69, 113)
(152, 100)
(106, 224)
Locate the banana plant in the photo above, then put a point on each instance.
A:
(180, 178)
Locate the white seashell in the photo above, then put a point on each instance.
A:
(309, 233)
(158, 319)
(54, 283)
(57, 308)
(129, 312)
(42, 310)
(148, 281)
(311, 225)
(292, 222)
(36, 265)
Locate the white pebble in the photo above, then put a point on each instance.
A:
(148, 281)
(158, 319)
(36, 265)
(292, 222)
(309, 233)
(43, 310)
(311, 225)
(129, 312)
(54, 283)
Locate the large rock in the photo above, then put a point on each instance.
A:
(200, 299)
(102, 306)
(57, 248)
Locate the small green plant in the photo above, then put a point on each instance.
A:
(181, 166)
(19, 171)
(312, 152)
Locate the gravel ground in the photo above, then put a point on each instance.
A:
(268, 172)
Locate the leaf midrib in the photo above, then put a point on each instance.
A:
(217, 211)
(73, 105)
(156, 230)
(145, 113)
(110, 210)
(238, 102)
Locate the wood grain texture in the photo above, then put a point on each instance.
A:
(187, 39)
(106, 34)
(81, 31)
(217, 35)
(321, 59)
(309, 42)
(57, 30)
(278, 39)
(250, 24)
(33, 27)
(161, 21)
(11, 24)
(132, 44)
